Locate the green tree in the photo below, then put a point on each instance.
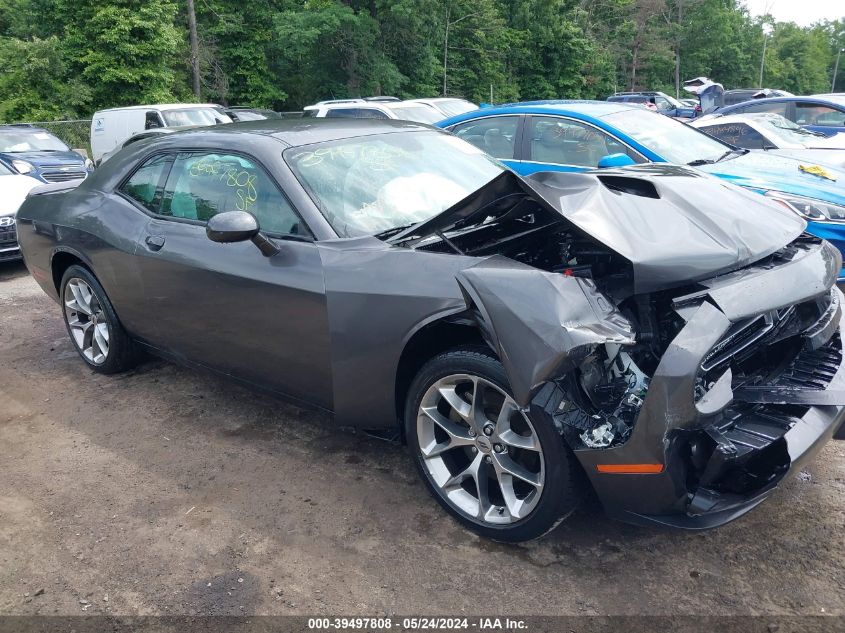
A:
(235, 41)
(124, 50)
(324, 49)
(35, 83)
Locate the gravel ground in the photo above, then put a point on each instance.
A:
(165, 491)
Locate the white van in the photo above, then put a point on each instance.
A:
(110, 128)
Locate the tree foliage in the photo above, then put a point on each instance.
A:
(66, 58)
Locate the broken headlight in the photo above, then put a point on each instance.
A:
(809, 208)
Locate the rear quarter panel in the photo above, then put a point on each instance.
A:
(88, 225)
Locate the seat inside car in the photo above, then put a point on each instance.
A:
(497, 143)
(571, 145)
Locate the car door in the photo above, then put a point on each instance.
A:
(227, 306)
(554, 143)
(499, 136)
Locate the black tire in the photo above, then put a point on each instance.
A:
(122, 352)
(564, 483)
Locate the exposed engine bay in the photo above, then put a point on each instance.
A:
(609, 384)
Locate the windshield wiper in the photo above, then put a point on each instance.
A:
(736, 150)
(710, 161)
(394, 231)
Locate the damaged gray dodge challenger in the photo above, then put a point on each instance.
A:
(651, 333)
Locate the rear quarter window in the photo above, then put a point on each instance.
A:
(144, 186)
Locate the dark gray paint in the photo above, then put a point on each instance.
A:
(700, 226)
(326, 321)
(539, 340)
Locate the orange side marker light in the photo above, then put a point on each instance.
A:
(630, 469)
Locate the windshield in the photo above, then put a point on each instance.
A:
(5, 171)
(418, 113)
(367, 185)
(672, 140)
(673, 102)
(194, 116)
(784, 129)
(246, 115)
(27, 140)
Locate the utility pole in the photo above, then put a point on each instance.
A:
(446, 43)
(680, 26)
(836, 70)
(446, 50)
(767, 29)
(195, 50)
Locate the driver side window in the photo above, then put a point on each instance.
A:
(566, 142)
(202, 184)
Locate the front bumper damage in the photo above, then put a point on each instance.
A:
(716, 452)
(754, 446)
(724, 452)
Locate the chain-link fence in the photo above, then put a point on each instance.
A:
(76, 134)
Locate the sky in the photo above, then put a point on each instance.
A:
(802, 12)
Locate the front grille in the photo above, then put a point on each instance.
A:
(8, 235)
(63, 176)
(813, 369)
(768, 348)
(743, 337)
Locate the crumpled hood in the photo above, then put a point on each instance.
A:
(674, 224)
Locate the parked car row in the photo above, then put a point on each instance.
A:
(772, 132)
(418, 110)
(529, 137)
(582, 135)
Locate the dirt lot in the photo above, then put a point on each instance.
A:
(164, 491)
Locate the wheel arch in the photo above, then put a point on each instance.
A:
(62, 260)
(428, 341)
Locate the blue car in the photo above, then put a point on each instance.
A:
(33, 151)
(583, 135)
(821, 113)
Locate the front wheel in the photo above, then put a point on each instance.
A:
(499, 473)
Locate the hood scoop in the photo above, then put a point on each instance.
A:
(674, 224)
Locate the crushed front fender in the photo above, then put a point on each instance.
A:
(540, 324)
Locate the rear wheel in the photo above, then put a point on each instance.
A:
(93, 325)
(501, 474)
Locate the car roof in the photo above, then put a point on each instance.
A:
(299, 131)
(573, 107)
(163, 107)
(740, 117)
(435, 99)
(830, 100)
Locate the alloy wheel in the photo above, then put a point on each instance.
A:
(480, 450)
(86, 320)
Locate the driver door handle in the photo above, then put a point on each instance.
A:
(154, 242)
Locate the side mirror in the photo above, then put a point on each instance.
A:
(239, 226)
(615, 160)
(232, 226)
